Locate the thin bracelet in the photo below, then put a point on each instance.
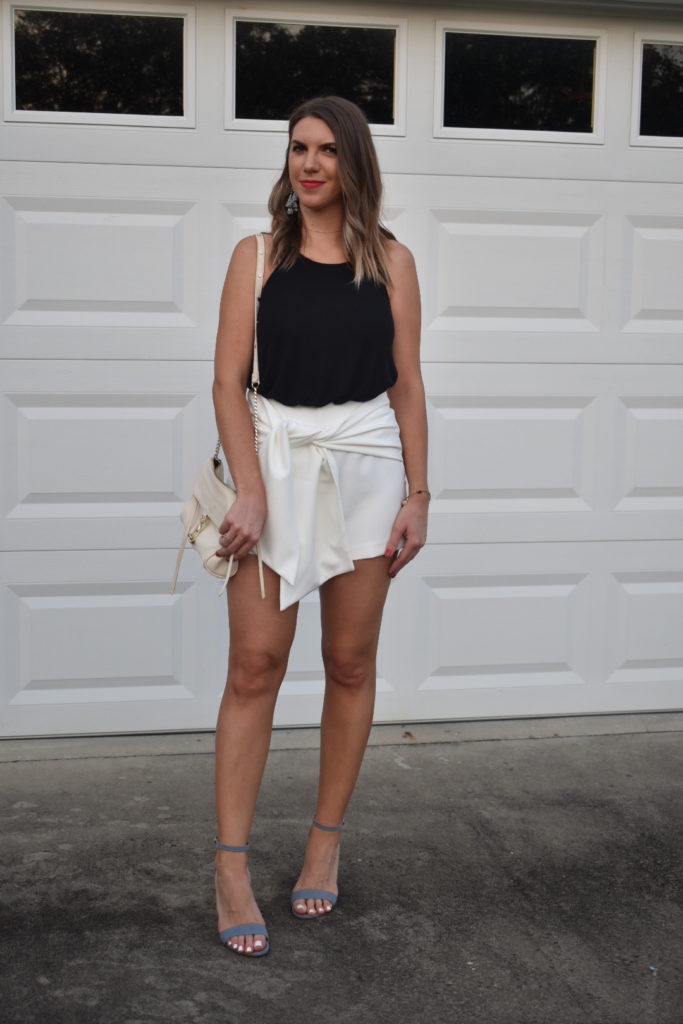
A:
(412, 494)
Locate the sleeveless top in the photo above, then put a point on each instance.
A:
(321, 339)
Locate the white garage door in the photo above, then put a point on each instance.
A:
(551, 266)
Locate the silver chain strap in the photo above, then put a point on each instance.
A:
(255, 412)
(256, 419)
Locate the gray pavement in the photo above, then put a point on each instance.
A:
(503, 873)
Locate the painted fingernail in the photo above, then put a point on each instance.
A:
(388, 553)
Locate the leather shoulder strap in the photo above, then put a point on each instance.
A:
(258, 285)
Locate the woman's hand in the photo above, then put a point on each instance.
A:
(410, 526)
(241, 529)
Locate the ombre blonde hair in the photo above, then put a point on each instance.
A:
(365, 237)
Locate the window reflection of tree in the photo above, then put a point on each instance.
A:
(661, 105)
(98, 63)
(522, 83)
(279, 66)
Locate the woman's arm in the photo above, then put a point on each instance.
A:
(407, 399)
(243, 524)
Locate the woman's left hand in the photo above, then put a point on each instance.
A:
(410, 526)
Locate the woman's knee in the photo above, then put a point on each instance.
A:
(350, 668)
(255, 672)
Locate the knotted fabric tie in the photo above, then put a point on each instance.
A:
(304, 538)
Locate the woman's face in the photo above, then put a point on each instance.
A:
(312, 164)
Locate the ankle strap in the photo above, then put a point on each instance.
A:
(231, 849)
(329, 828)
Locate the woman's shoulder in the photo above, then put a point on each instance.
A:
(244, 254)
(400, 260)
(247, 246)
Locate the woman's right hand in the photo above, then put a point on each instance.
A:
(241, 529)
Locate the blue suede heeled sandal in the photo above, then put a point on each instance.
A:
(315, 894)
(253, 928)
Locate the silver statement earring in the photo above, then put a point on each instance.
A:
(292, 204)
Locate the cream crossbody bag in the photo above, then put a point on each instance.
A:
(211, 497)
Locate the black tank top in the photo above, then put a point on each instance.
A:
(321, 339)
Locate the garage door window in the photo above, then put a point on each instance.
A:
(658, 92)
(127, 66)
(278, 64)
(518, 86)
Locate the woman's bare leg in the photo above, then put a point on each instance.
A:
(260, 640)
(351, 611)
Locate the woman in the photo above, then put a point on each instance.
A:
(339, 327)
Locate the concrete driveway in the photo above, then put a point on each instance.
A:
(522, 872)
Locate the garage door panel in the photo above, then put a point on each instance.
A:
(108, 464)
(103, 451)
(93, 262)
(513, 453)
(150, 344)
(496, 629)
(600, 456)
(501, 270)
(119, 262)
(649, 463)
(646, 612)
(612, 345)
(94, 630)
(480, 527)
(653, 298)
(507, 275)
(491, 629)
(112, 457)
(71, 640)
(240, 220)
